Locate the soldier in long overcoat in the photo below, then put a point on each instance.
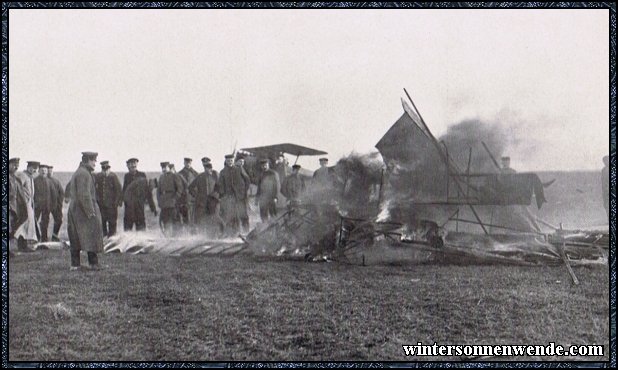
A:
(242, 206)
(57, 199)
(267, 191)
(28, 230)
(43, 188)
(18, 212)
(133, 213)
(324, 176)
(232, 187)
(293, 187)
(204, 190)
(109, 198)
(135, 196)
(186, 207)
(84, 217)
(169, 192)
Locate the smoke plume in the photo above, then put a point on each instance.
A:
(467, 137)
(417, 166)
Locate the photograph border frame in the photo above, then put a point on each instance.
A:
(611, 7)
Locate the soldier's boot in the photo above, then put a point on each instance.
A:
(22, 245)
(56, 232)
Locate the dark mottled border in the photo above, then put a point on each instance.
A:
(507, 5)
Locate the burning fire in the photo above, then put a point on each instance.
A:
(384, 214)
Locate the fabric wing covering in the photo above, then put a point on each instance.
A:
(512, 189)
(273, 150)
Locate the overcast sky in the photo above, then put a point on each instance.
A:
(165, 84)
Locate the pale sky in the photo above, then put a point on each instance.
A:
(161, 85)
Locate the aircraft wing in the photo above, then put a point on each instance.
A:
(273, 150)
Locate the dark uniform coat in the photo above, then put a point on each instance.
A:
(324, 177)
(233, 185)
(134, 199)
(57, 195)
(205, 192)
(203, 188)
(44, 199)
(293, 187)
(184, 186)
(321, 174)
(282, 170)
(188, 175)
(170, 190)
(268, 187)
(233, 182)
(42, 194)
(130, 177)
(136, 194)
(84, 219)
(109, 190)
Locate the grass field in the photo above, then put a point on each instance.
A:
(154, 307)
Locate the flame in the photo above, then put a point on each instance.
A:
(384, 214)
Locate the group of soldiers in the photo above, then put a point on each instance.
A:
(218, 202)
(212, 202)
(34, 195)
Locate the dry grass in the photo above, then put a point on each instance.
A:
(153, 308)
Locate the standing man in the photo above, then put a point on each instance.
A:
(233, 191)
(135, 197)
(281, 167)
(84, 218)
(109, 198)
(42, 201)
(133, 216)
(323, 176)
(187, 202)
(133, 172)
(267, 191)
(506, 166)
(168, 193)
(242, 206)
(204, 190)
(206, 160)
(177, 219)
(18, 209)
(605, 184)
(28, 230)
(57, 198)
(293, 187)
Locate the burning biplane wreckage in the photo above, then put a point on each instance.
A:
(418, 196)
